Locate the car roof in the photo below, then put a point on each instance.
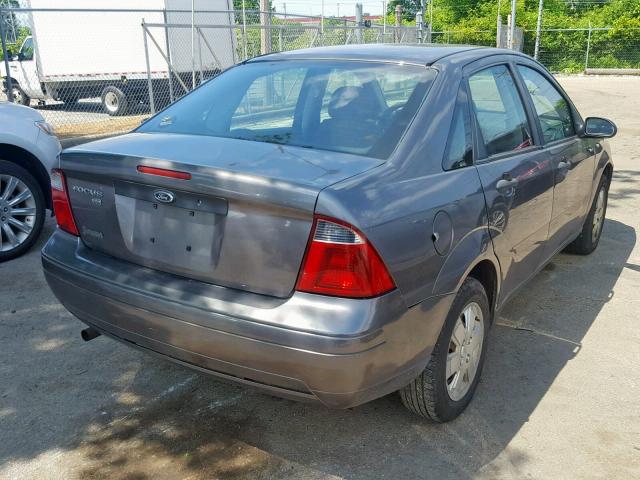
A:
(420, 54)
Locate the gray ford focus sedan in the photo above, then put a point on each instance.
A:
(332, 224)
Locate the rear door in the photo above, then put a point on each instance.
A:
(516, 174)
(573, 158)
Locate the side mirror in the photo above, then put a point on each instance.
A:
(596, 127)
(20, 57)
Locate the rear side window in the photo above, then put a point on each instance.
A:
(499, 111)
(459, 152)
(551, 107)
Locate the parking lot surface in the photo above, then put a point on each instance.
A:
(559, 398)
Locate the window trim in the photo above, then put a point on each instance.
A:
(482, 156)
(533, 108)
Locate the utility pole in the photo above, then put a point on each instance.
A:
(265, 31)
(322, 18)
(284, 7)
(512, 27)
(430, 19)
(338, 12)
(499, 26)
(536, 50)
(358, 23)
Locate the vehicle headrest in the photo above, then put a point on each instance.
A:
(348, 102)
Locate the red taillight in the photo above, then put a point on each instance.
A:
(61, 205)
(341, 262)
(163, 172)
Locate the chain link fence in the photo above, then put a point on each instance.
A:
(96, 72)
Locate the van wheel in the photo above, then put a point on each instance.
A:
(21, 210)
(591, 232)
(19, 96)
(445, 387)
(114, 101)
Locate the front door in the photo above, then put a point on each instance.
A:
(516, 174)
(27, 75)
(573, 157)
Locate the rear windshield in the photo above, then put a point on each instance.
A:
(352, 107)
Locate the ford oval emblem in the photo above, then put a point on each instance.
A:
(164, 196)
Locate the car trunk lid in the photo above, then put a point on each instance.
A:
(241, 220)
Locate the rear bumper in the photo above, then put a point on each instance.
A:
(340, 352)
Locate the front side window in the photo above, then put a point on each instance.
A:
(499, 111)
(27, 49)
(361, 108)
(551, 107)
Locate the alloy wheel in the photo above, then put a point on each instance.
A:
(598, 216)
(17, 212)
(465, 350)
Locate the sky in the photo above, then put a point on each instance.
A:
(331, 7)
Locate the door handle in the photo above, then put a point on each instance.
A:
(563, 164)
(506, 182)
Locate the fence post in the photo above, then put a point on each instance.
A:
(398, 23)
(152, 103)
(244, 31)
(166, 38)
(420, 22)
(536, 49)
(265, 30)
(358, 23)
(586, 57)
(5, 54)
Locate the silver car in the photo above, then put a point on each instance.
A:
(332, 224)
(28, 151)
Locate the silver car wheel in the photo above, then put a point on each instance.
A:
(465, 350)
(17, 212)
(111, 101)
(598, 216)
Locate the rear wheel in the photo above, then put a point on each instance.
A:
(21, 210)
(591, 232)
(445, 387)
(114, 101)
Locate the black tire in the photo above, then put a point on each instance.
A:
(428, 395)
(587, 241)
(16, 171)
(114, 101)
(19, 96)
